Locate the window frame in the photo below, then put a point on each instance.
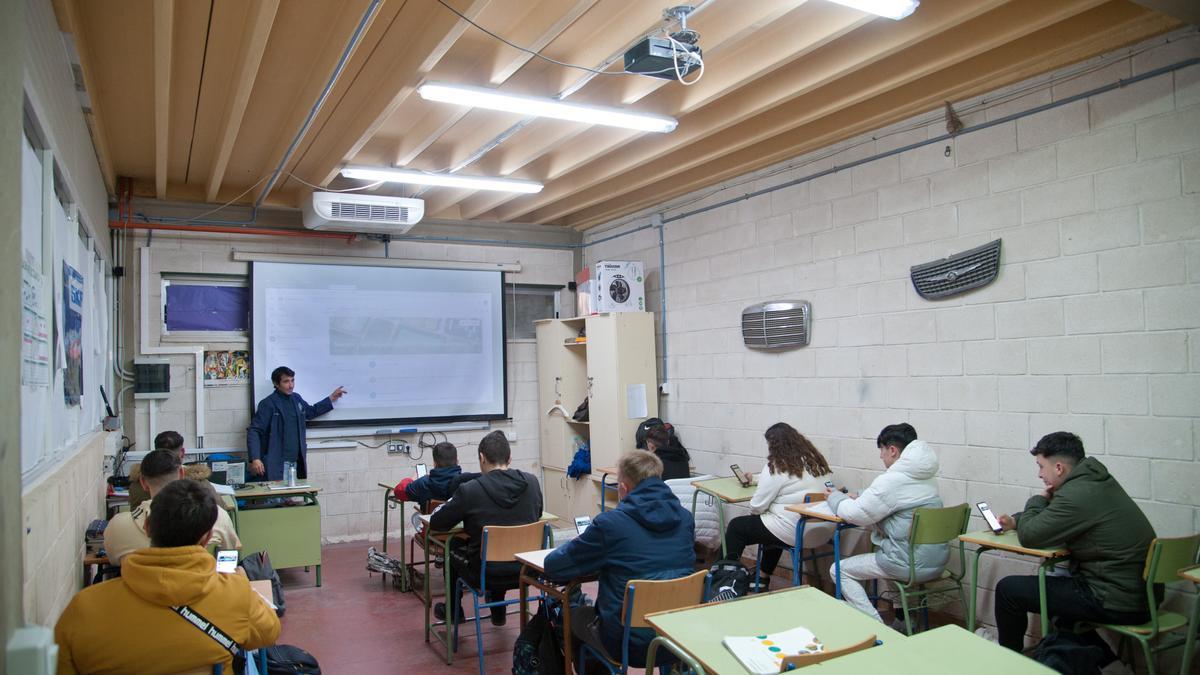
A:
(511, 290)
(238, 337)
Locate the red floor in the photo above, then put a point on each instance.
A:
(353, 624)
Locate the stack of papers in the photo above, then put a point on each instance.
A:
(763, 654)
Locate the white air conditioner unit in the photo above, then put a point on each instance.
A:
(350, 212)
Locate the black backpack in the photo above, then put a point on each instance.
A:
(538, 649)
(729, 580)
(1070, 653)
(290, 660)
(258, 567)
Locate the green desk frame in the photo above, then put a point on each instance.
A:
(390, 502)
(291, 535)
(987, 541)
(723, 490)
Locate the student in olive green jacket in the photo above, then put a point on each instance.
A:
(1086, 510)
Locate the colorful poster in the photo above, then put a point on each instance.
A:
(73, 333)
(223, 368)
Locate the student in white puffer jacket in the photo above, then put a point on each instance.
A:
(707, 534)
(794, 468)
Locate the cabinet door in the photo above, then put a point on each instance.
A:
(561, 381)
(620, 363)
(555, 495)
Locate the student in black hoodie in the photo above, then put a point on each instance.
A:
(500, 496)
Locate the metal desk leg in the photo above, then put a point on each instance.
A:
(1189, 645)
(428, 591)
(971, 607)
(404, 584)
(675, 649)
(837, 562)
(721, 522)
(1042, 598)
(604, 487)
(448, 595)
(386, 508)
(796, 551)
(318, 576)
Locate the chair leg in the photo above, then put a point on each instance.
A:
(816, 569)
(478, 631)
(904, 606)
(1149, 654)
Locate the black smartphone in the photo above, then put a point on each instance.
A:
(829, 484)
(992, 521)
(742, 476)
(422, 470)
(581, 523)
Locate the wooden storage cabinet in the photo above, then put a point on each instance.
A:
(617, 358)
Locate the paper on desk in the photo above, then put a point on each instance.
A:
(635, 401)
(266, 599)
(223, 489)
(287, 487)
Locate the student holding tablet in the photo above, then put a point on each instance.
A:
(794, 468)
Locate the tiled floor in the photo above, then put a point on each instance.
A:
(356, 625)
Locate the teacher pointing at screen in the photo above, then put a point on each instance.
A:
(276, 433)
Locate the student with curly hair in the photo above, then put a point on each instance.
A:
(794, 468)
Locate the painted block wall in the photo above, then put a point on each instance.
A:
(1092, 326)
(351, 500)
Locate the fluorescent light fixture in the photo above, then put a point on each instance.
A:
(413, 177)
(892, 9)
(480, 97)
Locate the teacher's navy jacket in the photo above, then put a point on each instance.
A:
(264, 437)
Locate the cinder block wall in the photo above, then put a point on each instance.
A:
(1092, 326)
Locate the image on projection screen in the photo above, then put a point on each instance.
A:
(408, 344)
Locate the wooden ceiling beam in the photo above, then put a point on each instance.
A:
(755, 54)
(1096, 32)
(262, 18)
(726, 123)
(410, 47)
(164, 20)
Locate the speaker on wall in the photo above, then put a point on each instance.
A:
(958, 273)
(781, 324)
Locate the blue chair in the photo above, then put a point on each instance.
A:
(500, 545)
(797, 551)
(647, 596)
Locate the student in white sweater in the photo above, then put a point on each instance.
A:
(794, 468)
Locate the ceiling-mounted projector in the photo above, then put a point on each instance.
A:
(347, 212)
(670, 57)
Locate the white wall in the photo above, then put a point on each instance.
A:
(1092, 326)
(351, 500)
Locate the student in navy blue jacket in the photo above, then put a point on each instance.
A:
(648, 536)
(441, 481)
(276, 433)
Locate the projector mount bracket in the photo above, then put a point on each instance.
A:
(680, 13)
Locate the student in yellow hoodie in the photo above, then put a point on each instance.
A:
(164, 596)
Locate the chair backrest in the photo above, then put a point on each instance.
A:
(501, 543)
(432, 505)
(1167, 556)
(812, 497)
(938, 526)
(801, 660)
(654, 595)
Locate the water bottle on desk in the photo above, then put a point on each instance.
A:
(289, 473)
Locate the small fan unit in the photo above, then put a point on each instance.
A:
(777, 325)
(959, 273)
(362, 213)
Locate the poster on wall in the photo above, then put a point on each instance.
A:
(224, 368)
(35, 330)
(73, 334)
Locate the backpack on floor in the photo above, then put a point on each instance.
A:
(258, 567)
(538, 649)
(1068, 653)
(729, 580)
(290, 660)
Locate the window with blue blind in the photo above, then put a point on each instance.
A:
(218, 307)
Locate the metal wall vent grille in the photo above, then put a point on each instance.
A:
(777, 325)
(959, 273)
(372, 212)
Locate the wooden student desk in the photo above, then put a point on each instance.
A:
(820, 511)
(724, 491)
(698, 631)
(535, 561)
(291, 535)
(446, 636)
(1008, 541)
(948, 649)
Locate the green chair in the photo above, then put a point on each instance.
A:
(1163, 562)
(934, 526)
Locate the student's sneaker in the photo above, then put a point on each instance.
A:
(499, 616)
(986, 633)
(761, 585)
(439, 612)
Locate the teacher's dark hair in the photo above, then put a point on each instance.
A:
(181, 514)
(279, 373)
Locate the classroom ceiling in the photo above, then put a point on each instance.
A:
(200, 100)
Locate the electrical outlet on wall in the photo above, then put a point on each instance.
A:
(399, 448)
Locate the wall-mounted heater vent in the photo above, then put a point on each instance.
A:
(777, 325)
(959, 273)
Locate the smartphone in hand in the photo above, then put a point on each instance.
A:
(992, 521)
(227, 562)
(581, 523)
(742, 476)
(422, 470)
